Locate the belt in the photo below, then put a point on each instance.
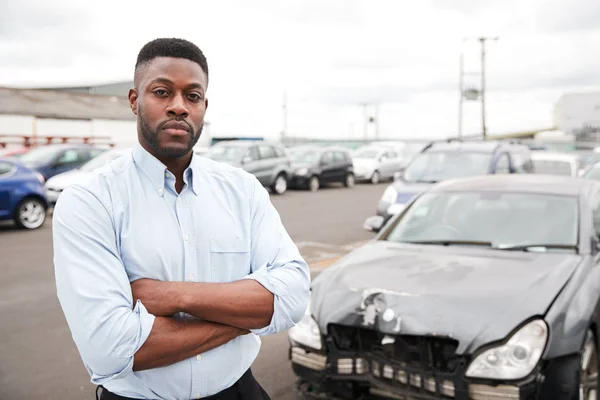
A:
(224, 394)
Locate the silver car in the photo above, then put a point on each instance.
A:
(375, 163)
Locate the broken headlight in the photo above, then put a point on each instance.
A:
(515, 359)
(306, 332)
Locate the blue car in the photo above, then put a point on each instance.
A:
(22, 195)
(449, 159)
(55, 159)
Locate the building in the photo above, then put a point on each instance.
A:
(119, 89)
(578, 113)
(38, 114)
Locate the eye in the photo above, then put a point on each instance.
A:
(195, 96)
(160, 92)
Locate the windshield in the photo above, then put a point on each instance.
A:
(100, 160)
(227, 153)
(502, 219)
(411, 149)
(552, 167)
(439, 166)
(39, 156)
(305, 157)
(368, 154)
(593, 173)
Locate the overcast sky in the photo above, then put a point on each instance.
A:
(330, 56)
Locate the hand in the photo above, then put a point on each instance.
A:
(160, 298)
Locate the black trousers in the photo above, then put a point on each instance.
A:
(246, 388)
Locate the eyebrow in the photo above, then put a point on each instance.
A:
(170, 82)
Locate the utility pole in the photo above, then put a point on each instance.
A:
(285, 116)
(482, 40)
(366, 120)
(460, 91)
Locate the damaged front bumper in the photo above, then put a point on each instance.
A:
(350, 375)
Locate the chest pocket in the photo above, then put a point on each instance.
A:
(229, 258)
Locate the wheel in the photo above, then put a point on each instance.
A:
(375, 178)
(280, 184)
(588, 375)
(30, 213)
(350, 181)
(313, 184)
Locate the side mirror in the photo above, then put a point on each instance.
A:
(374, 223)
(246, 160)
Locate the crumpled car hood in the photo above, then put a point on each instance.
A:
(474, 295)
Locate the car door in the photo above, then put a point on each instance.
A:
(68, 160)
(6, 184)
(390, 164)
(251, 162)
(340, 166)
(328, 170)
(269, 160)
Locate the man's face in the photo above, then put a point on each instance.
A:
(170, 102)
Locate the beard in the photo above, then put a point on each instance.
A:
(151, 138)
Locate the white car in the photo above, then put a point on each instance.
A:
(554, 163)
(58, 183)
(376, 163)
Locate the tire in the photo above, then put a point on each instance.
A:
(375, 178)
(30, 213)
(314, 184)
(350, 180)
(280, 184)
(588, 376)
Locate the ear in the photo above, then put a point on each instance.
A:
(205, 104)
(133, 98)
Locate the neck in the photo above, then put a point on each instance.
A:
(176, 165)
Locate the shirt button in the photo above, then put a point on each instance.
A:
(198, 357)
(167, 174)
(179, 199)
(198, 396)
(186, 238)
(160, 192)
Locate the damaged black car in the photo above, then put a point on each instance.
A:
(483, 288)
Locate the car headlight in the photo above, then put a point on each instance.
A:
(302, 171)
(515, 359)
(306, 332)
(390, 195)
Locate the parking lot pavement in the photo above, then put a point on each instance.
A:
(38, 359)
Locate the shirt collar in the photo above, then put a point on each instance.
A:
(156, 171)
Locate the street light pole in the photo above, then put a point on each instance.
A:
(482, 91)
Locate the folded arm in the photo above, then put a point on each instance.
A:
(271, 299)
(112, 333)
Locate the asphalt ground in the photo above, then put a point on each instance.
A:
(38, 359)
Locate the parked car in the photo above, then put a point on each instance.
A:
(483, 288)
(376, 163)
(55, 185)
(444, 160)
(14, 152)
(55, 159)
(554, 163)
(314, 167)
(592, 172)
(22, 196)
(267, 161)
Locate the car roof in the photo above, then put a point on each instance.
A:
(244, 143)
(523, 183)
(480, 146)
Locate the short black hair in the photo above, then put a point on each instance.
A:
(171, 47)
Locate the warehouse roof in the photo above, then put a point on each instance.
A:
(63, 104)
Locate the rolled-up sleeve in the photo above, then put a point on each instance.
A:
(277, 264)
(93, 287)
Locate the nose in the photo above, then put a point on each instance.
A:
(177, 107)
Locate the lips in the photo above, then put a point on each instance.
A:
(176, 125)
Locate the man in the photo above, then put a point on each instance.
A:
(169, 265)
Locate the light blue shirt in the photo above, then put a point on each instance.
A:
(128, 222)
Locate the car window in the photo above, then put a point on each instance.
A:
(280, 152)
(95, 152)
(327, 158)
(593, 172)
(5, 168)
(392, 154)
(252, 154)
(70, 157)
(437, 166)
(339, 158)
(553, 167)
(266, 152)
(503, 164)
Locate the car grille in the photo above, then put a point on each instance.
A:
(424, 353)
